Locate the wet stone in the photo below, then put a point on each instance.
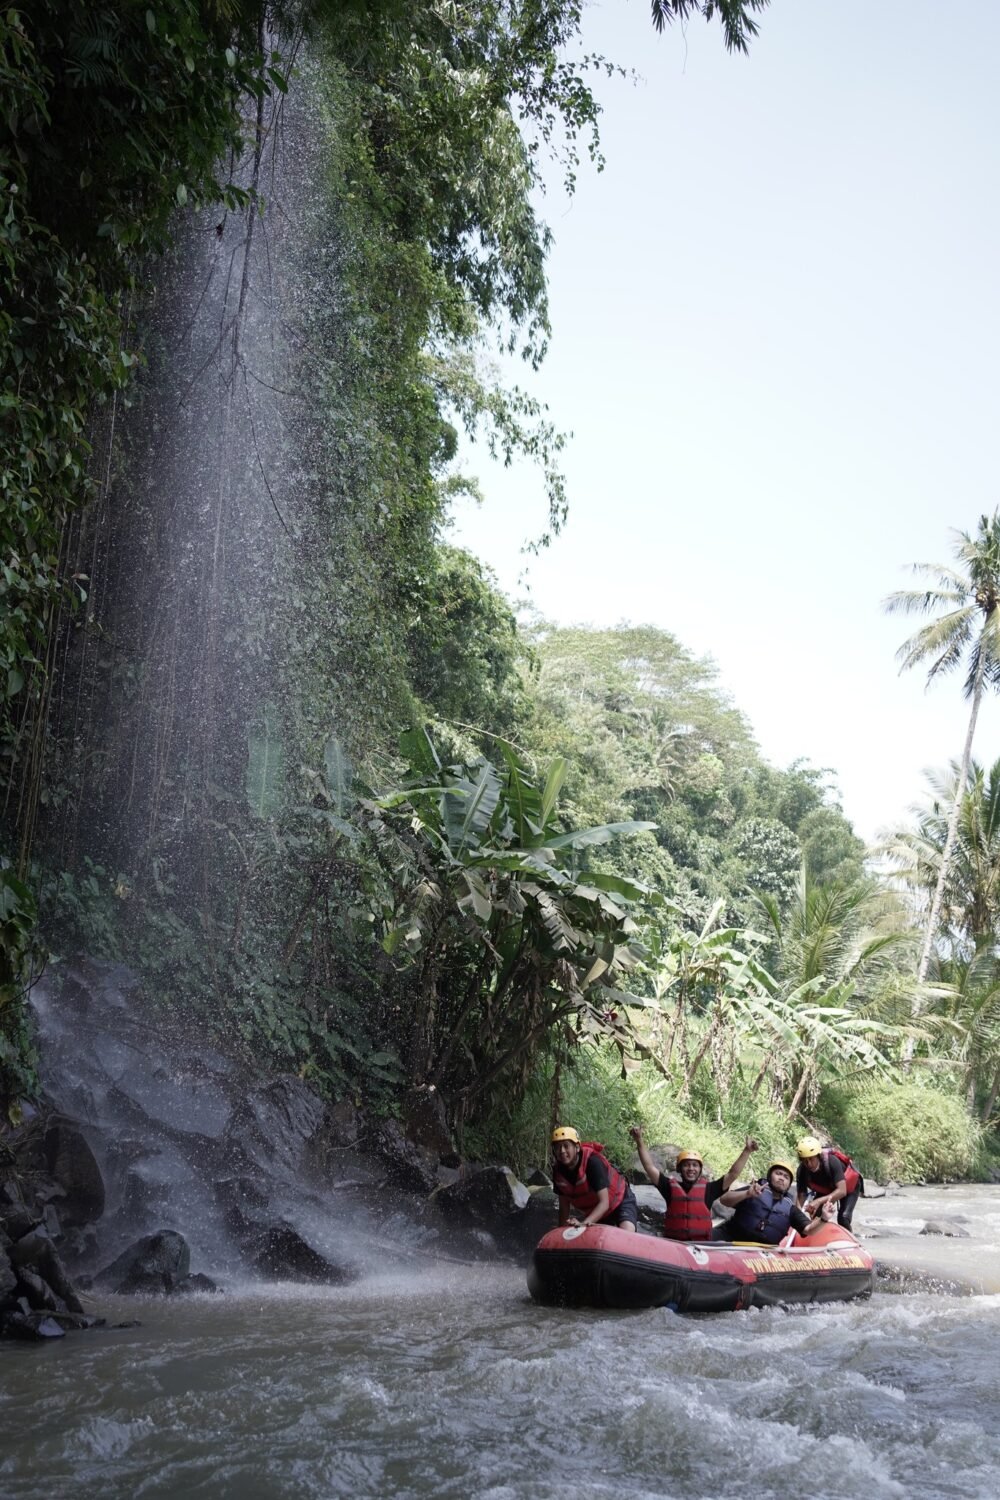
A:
(281, 1251)
(153, 1264)
(196, 1283)
(8, 1281)
(38, 1292)
(19, 1221)
(30, 1326)
(948, 1227)
(485, 1195)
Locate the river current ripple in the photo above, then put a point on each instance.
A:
(453, 1384)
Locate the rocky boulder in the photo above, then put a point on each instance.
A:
(279, 1250)
(484, 1195)
(948, 1227)
(408, 1167)
(155, 1264)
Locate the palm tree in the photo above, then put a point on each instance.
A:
(834, 946)
(738, 25)
(970, 903)
(966, 632)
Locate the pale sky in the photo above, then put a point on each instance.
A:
(775, 341)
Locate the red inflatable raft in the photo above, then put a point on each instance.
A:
(604, 1267)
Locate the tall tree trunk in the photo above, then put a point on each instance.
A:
(707, 1041)
(949, 843)
(991, 1097)
(807, 1072)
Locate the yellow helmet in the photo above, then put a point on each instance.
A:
(785, 1166)
(809, 1146)
(688, 1155)
(565, 1133)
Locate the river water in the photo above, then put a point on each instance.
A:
(451, 1383)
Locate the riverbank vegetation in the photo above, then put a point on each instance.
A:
(352, 813)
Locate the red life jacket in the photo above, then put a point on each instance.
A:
(688, 1216)
(851, 1174)
(581, 1195)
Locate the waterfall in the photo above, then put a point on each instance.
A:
(179, 707)
(174, 695)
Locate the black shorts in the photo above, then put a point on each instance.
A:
(627, 1211)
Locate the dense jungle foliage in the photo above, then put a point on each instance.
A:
(346, 811)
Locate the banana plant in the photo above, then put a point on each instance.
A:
(488, 903)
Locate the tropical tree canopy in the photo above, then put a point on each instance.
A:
(964, 633)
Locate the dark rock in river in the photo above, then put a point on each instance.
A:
(154, 1264)
(38, 1292)
(282, 1252)
(484, 1195)
(30, 1325)
(948, 1227)
(36, 1252)
(490, 1200)
(196, 1282)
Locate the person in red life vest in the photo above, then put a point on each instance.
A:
(766, 1210)
(591, 1190)
(826, 1175)
(688, 1193)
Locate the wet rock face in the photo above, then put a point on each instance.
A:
(408, 1167)
(72, 1165)
(37, 1299)
(278, 1128)
(425, 1125)
(152, 1141)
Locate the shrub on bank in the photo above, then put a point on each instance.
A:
(905, 1132)
(602, 1105)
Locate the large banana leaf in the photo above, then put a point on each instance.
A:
(467, 808)
(266, 766)
(585, 838)
(523, 798)
(418, 748)
(553, 786)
